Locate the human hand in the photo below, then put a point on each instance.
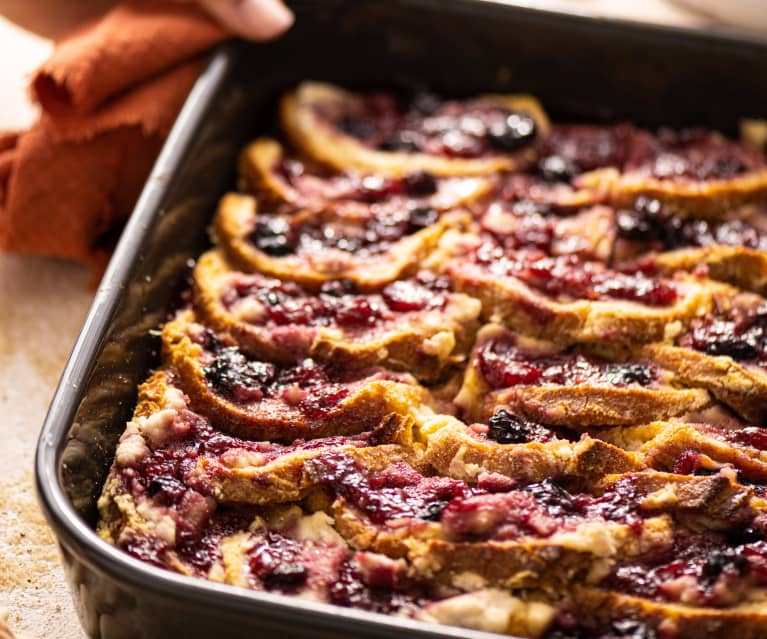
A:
(253, 19)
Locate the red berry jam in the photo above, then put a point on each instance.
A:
(279, 236)
(659, 229)
(709, 568)
(692, 154)
(503, 364)
(567, 277)
(336, 304)
(573, 149)
(741, 334)
(425, 124)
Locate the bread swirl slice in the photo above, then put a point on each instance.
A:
(370, 267)
(723, 352)
(258, 399)
(310, 117)
(410, 325)
(698, 173)
(541, 382)
(520, 292)
(289, 184)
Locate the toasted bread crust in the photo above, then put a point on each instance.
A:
(315, 138)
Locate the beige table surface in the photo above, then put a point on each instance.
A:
(42, 305)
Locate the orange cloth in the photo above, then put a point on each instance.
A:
(109, 95)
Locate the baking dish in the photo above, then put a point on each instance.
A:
(579, 67)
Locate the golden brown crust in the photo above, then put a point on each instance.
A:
(236, 217)
(710, 199)
(453, 449)
(746, 621)
(422, 343)
(314, 137)
(260, 159)
(364, 407)
(742, 387)
(509, 301)
(743, 267)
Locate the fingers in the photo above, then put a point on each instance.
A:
(253, 19)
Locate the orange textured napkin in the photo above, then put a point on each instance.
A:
(109, 95)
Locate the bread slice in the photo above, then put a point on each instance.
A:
(410, 327)
(743, 267)
(290, 184)
(307, 116)
(238, 216)
(509, 299)
(257, 399)
(541, 382)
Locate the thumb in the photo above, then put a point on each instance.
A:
(253, 19)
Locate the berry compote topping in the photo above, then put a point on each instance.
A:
(570, 150)
(336, 304)
(568, 277)
(425, 124)
(648, 222)
(399, 492)
(311, 387)
(708, 568)
(693, 154)
(506, 428)
(503, 364)
(306, 235)
(741, 334)
(315, 182)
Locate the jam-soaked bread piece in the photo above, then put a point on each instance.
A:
(382, 134)
(724, 351)
(259, 399)
(588, 233)
(632, 616)
(693, 171)
(521, 450)
(653, 238)
(507, 535)
(170, 457)
(290, 183)
(370, 249)
(568, 300)
(541, 382)
(712, 444)
(414, 325)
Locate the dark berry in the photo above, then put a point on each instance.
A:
(234, 375)
(433, 511)
(505, 428)
(165, 490)
(357, 127)
(286, 575)
(556, 499)
(747, 535)
(419, 184)
(624, 374)
(555, 168)
(421, 217)
(406, 297)
(723, 561)
(271, 236)
(630, 629)
(515, 131)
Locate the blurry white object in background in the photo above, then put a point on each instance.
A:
(746, 14)
(20, 53)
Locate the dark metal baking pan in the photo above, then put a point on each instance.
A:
(579, 67)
